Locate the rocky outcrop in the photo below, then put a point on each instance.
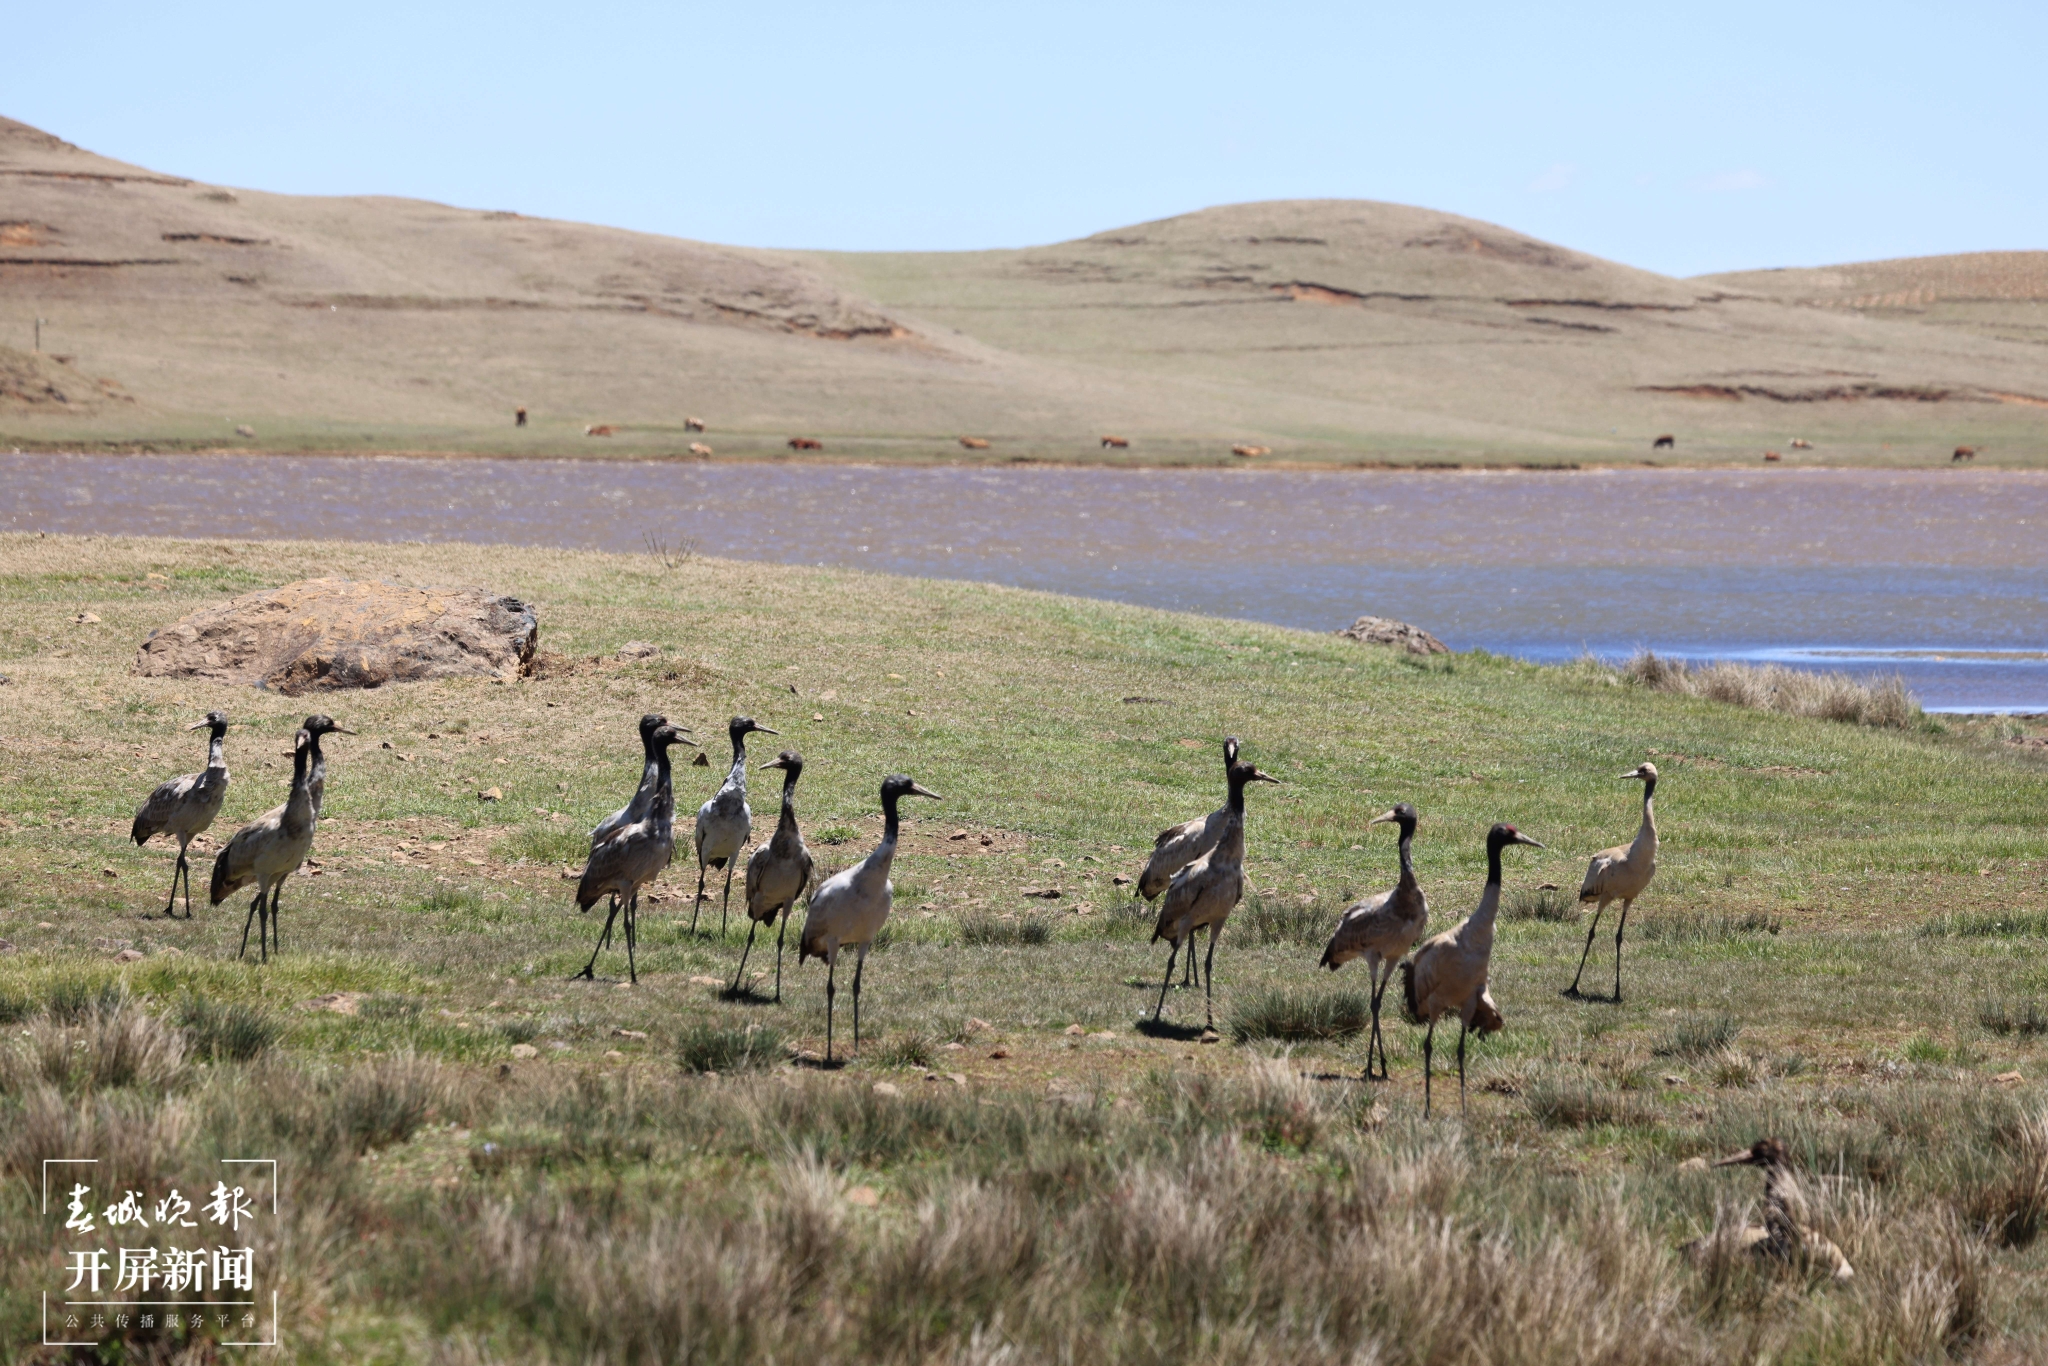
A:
(321, 635)
(1381, 631)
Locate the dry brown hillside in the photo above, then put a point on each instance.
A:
(1326, 330)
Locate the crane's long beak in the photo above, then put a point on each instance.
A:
(1521, 838)
(341, 730)
(199, 725)
(1743, 1158)
(1383, 818)
(763, 730)
(918, 790)
(1632, 773)
(772, 763)
(1261, 776)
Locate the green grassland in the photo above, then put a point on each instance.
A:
(1846, 946)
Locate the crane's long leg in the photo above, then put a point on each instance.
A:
(694, 905)
(860, 964)
(752, 925)
(276, 939)
(1619, 926)
(172, 905)
(1209, 972)
(725, 903)
(589, 973)
(781, 928)
(1428, 1050)
(1187, 972)
(1591, 930)
(185, 866)
(632, 908)
(831, 990)
(1462, 1029)
(243, 951)
(1168, 981)
(1372, 1040)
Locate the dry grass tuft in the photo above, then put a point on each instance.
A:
(1773, 687)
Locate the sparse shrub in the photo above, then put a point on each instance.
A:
(834, 834)
(388, 1100)
(1296, 1016)
(71, 999)
(987, 928)
(1925, 1048)
(523, 1030)
(445, 899)
(2012, 1205)
(546, 843)
(227, 1031)
(713, 1046)
(913, 1049)
(1773, 687)
(111, 1046)
(1698, 1036)
(1987, 925)
(386, 1008)
(1701, 928)
(1580, 1100)
(2028, 1018)
(1266, 919)
(1552, 904)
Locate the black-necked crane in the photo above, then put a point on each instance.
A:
(851, 908)
(1447, 975)
(1203, 894)
(1178, 846)
(1621, 874)
(632, 858)
(778, 872)
(1785, 1235)
(185, 806)
(643, 796)
(724, 822)
(1381, 930)
(271, 848)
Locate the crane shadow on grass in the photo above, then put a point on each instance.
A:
(745, 996)
(1167, 1029)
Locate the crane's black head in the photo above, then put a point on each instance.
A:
(900, 785)
(665, 735)
(649, 723)
(1229, 751)
(1243, 771)
(320, 724)
(1503, 835)
(1403, 814)
(215, 721)
(790, 762)
(1765, 1152)
(1646, 774)
(743, 726)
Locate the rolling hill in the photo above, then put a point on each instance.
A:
(1331, 331)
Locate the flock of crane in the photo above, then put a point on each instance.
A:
(1196, 872)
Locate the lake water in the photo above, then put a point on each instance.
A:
(1938, 575)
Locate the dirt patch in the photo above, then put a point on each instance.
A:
(41, 383)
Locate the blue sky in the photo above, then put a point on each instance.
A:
(1680, 139)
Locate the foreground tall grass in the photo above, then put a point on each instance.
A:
(1773, 687)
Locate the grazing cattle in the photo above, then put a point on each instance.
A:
(519, 417)
(805, 443)
(1800, 443)
(699, 449)
(1250, 451)
(603, 429)
(1963, 453)
(1666, 442)
(1770, 456)
(974, 443)
(1115, 443)
(693, 424)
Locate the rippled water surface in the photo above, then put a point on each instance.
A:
(1941, 575)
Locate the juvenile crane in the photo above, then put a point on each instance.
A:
(1447, 975)
(851, 908)
(779, 870)
(724, 822)
(272, 847)
(1785, 1235)
(1178, 846)
(1204, 893)
(1381, 930)
(631, 859)
(643, 796)
(185, 807)
(1620, 874)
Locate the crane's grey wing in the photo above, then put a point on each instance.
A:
(1596, 872)
(235, 865)
(1357, 928)
(158, 808)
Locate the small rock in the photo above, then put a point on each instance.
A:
(987, 840)
(1211, 1036)
(867, 1197)
(622, 986)
(999, 1054)
(2007, 1079)
(1076, 1031)
(1693, 1164)
(340, 1002)
(128, 956)
(86, 619)
(638, 649)
(702, 760)
(975, 1022)
(1103, 1034)
(108, 872)
(1043, 893)
(523, 1051)
(6, 946)
(112, 945)
(957, 1078)
(1670, 1080)
(817, 716)
(491, 794)
(1381, 631)
(629, 1033)
(702, 981)
(558, 1045)
(613, 1053)
(957, 835)
(243, 429)
(954, 1047)
(44, 925)
(1121, 881)
(888, 1088)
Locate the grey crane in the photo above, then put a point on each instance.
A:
(1204, 893)
(724, 822)
(851, 908)
(631, 859)
(1447, 975)
(779, 870)
(1175, 847)
(186, 806)
(643, 796)
(272, 847)
(1785, 1235)
(1381, 930)
(1621, 874)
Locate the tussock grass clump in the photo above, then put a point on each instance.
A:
(1699, 1036)
(1987, 925)
(1773, 687)
(552, 843)
(1297, 1016)
(1550, 904)
(992, 929)
(389, 1100)
(1264, 919)
(2028, 1018)
(1701, 928)
(715, 1046)
(227, 1031)
(108, 1046)
(1579, 1099)
(913, 1049)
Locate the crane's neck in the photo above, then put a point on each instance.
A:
(1646, 833)
(663, 805)
(298, 808)
(1784, 1204)
(1478, 931)
(1407, 855)
(216, 752)
(788, 820)
(738, 777)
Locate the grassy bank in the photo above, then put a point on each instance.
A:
(1842, 949)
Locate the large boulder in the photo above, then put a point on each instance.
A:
(324, 634)
(1382, 631)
